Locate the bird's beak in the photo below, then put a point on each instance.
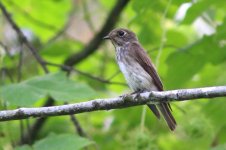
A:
(106, 37)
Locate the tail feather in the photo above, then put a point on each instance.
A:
(154, 110)
(169, 106)
(165, 110)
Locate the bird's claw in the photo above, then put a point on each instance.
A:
(124, 95)
(135, 92)
(138, 93)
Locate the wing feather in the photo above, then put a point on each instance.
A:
(142, 58)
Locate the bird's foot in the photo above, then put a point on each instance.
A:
(124, 95)
(138, 93)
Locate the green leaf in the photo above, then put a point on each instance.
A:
(181, 68)
(208, 6)
(21, 94)
(61, 88)
(55, 85)
(60, 142)
(185, 63)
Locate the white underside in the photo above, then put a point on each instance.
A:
(136, 77)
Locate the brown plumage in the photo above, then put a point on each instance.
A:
(138, 69)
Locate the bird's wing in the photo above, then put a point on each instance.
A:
(142, 58)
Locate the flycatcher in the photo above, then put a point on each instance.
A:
(138, 70)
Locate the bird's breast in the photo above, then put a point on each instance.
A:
(136, 77)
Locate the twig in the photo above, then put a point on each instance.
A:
(114, 75)
(21, 129)
(77, 125)
(22, 37)
(89, 49)
(28, 130)
(6, 49)
(98, 38)
(69, 68)
(5, 71)
(30, 135)
(152, 97)
(88, 19)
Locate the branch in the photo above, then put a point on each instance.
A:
(98, 38)
(112, 19)
(115, 103)
(70, 69)
(22, 37)
(6, 49)
(5, 71)
(31, 134)
(77, 125)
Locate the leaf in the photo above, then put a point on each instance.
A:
(55, 85)
(61, 88)
(21, 94)
(181, 68)
(60, 142)
(201, 6)
(185, 63)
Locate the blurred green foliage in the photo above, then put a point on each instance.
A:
(193, 55)
(58, 142)
(55, 85)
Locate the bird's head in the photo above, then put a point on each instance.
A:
(121, 37)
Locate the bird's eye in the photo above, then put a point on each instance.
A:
(121, 33)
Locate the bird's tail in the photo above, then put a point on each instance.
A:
(154, 110)
(165, 110)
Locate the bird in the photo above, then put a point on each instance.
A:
(138, 70)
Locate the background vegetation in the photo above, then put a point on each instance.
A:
(186, 40)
